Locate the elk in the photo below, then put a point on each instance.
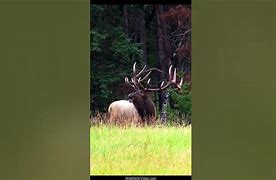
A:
(140, 97)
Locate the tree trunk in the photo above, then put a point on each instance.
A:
(125, 19)
(163, 111)
(163, 60)
(143, 33)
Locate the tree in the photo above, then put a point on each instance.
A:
(163, 59)
(174, 44)
(179, 28)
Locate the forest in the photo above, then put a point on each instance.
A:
(154, 35)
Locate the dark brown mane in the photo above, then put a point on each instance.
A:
(144, 106)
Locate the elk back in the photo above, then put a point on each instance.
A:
(123, 112)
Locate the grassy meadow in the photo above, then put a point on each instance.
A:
(140, 150)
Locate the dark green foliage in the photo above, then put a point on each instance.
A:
(124, 48)
(181, 103)
(97, 39)
(112, 54)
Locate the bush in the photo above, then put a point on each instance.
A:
(180, 104)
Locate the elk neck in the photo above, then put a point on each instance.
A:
(143, 104)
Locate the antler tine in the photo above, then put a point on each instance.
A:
(141, 71)
(134, 68)
(170, 72)
(145, 77)
(135, 81)
(162, 84)
(144, 89)
(127, 81)
(141, 85)
(151, 69)
(148, 81)
(174, 75)
(130, 83)
(180, 83)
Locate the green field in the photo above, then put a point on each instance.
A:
(140, 150)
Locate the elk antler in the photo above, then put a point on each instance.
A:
(136, 81)
(171, 81)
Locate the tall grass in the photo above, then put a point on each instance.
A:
(140, 150)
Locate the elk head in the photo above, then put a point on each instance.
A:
(140, 97)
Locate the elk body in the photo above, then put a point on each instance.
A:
(122, 112)
(140, 98)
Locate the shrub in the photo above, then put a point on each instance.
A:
(180, 104)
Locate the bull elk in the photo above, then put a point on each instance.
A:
(140, 97)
